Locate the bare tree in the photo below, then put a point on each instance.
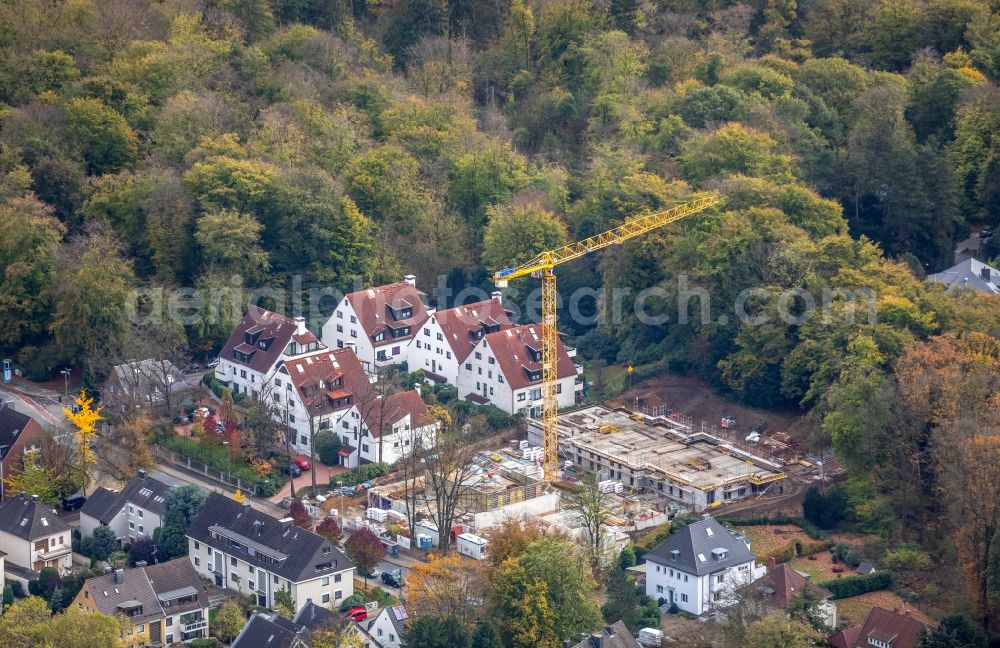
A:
(448, 468)
(412, 474)
(147, 362)
(741, 603)
(590, 506)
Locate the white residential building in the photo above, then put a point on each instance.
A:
(243, 549)
(449, 336)
(379, 323)
(133, 512)
(388, 429)
(316, 391)
(699, 566)
(505, 370)
(33, 536)
(260, 343)
(388, 628)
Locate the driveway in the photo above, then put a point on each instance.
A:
(304, 481)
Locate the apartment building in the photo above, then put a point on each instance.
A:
(135, 511)
(33, 536)
(246, 550)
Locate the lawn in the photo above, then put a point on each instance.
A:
(852, 611)
(766, 540)
(821, 567)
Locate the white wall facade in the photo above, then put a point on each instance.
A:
(481, 375)
(430, 351)
(383, 632)
(129, 523)
(217, 566)
(344, 330)
(49, 551)
(696, 594)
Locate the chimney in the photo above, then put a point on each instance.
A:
(497, 296)
(410, 279)
(300, 325)
(984, 273)
(141, 474)
(772, 564)
(140, 563)
(246, 505)
(119, 576)
(257, 525)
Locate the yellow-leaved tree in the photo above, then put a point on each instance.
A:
(85, 420)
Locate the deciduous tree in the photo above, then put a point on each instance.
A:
(365, 550)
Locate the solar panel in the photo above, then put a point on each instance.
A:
(399, 612)
(145, 492)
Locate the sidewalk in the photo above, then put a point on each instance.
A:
(304, 481)
(189, 478)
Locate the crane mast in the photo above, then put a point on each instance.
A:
(544, 265)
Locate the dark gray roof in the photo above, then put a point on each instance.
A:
(111, 597)
(12, 424)
(300, 554)
(266, 631)
(103, 505)
(145, 491)
(970, 273)
(695, 545)
(175, 579)
(398, 615)
(615, 635)
(313, 616)
(29, 519)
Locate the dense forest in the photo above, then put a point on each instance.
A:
(307, 143)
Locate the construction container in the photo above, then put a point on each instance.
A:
(472, 546)
(650, 637)
(425, 542)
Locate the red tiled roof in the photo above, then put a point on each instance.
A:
(899, 630)
(846, 638)
(305, 338)
(460, 323)
(477, 398)
(510, 349)
(277, 329)
(396, 406)
(782, 585)
(321, 378)
(372, 306)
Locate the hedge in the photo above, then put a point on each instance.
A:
(856, 585)
(360, 475)
(217, 456)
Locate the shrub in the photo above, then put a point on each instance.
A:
(18, 589)
(856, 585)
(808, 527)
(328, 447)
(847, 555)
(826, 508)
(361, 474)
(673, 608)
(907, 557)
(210, 642)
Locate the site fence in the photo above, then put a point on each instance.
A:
(201, 469)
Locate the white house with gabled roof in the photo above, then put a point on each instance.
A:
(699, 566)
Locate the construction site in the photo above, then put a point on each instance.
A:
(663, 455)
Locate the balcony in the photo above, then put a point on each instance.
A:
(55, 552)
(194, 626)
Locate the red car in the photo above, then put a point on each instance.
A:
(302, 463)
(357, 614)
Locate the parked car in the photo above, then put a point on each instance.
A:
(753, 437)
(291, 469)
(727, 422)
(357, 614)
(302, 463)
(73, 502)
(375, 573)
(213, 363)
(192, 368)
(393, 578)
(985, 234)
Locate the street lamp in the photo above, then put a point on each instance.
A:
(65, 373)
(342, 518)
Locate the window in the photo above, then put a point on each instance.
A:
(340, 315)
(326, 581)
(131, 510)
(336, 578)
(427, 332)
(492, 360)
(209, 550)
(340, 328)
(243, 373)
(684, 597)
(170, 621)
(468, 366)
(392, 637)
(354, 320)
(197, 545)
(170, 639)
(142, 628)
(520, 396)
(721, 578)
(338, 594)
(479, 356)
(354, 333)
(197, 561)
(326, 597)
(275, 579)
(364, 447)
(659, 589)
(500, 378)
(233, 561)
(131, 525)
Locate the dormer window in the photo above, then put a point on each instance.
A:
(720, 554)
(536, 354)
(380, 336)
(401, 312)
(674, 555)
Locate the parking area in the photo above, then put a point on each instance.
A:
(323, 475)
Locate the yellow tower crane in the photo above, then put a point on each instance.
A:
(543, 265)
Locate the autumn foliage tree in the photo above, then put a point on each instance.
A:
(446, 585)
(365, 550)
(85, 420)
(300, 516)
(330, 529)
